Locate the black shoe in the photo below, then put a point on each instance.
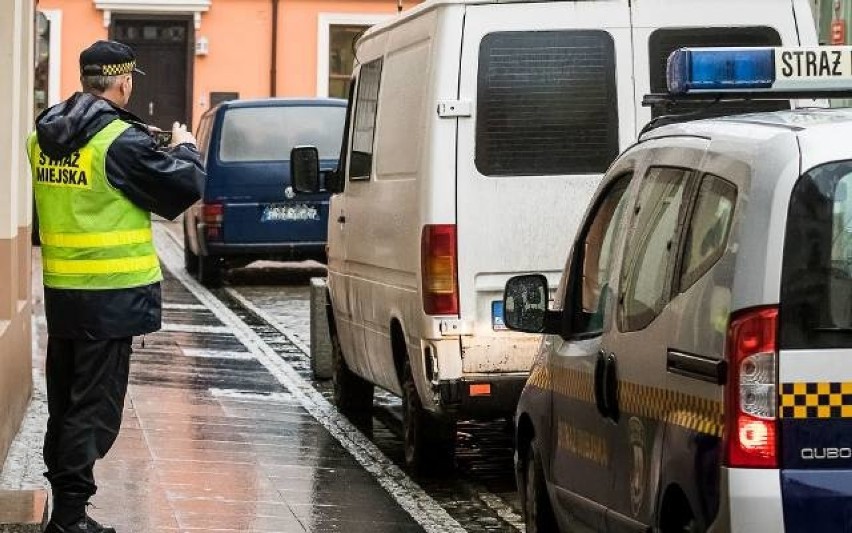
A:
(86, 524)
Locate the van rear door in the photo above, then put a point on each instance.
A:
(662, 26)
(815, 338)
(550, 97)
(253, 178)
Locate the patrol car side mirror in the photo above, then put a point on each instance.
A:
(525, 303)
(304, 169)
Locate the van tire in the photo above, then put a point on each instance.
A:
(210, 271)
(353, 395)
(538, 514)
(429, 441)
(190, 260)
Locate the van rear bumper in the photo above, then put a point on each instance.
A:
(457, 399)
(277, 250)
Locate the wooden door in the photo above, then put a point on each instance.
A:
(162, 48)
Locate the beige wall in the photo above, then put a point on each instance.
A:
(16, 93)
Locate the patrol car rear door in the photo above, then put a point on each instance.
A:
(815, 343)
(645, 327)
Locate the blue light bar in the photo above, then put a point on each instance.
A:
(719, 69)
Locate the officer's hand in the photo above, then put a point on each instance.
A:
(180, 135)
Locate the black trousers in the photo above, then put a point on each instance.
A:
(86, 386)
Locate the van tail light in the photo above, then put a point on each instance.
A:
(212, 216)
(751, 431)
(438, 256)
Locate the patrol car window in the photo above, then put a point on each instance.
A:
(546, 103)
(665, 41)
(651, 247)
(816, 291)
(269, 133)
(597, 251)
(364, 130)
(709, 228)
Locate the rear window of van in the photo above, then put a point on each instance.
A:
(269, 133)
(665, 41)
(816, 290)
(546, 103)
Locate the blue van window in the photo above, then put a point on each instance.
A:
(269, 133)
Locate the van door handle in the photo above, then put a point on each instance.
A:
(341, 219)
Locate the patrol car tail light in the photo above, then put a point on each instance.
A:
(751, 425)
(438, 256)
(212, 215)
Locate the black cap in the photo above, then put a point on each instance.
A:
(108, 58)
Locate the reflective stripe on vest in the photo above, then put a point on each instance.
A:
(92, 236)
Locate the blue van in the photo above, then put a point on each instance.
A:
(248, 210)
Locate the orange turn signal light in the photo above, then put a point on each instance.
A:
(480, 389)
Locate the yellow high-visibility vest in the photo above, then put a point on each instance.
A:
(92, 236)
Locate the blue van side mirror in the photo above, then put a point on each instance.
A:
(525, 305)
(304, 169)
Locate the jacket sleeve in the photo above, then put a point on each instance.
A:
(165, 182)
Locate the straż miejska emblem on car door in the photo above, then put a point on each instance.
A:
(638, 472)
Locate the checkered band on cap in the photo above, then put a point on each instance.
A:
(118, 69)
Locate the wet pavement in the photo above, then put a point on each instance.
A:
(225, 429)
(212, 441)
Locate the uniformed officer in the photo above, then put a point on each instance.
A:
(98, 174)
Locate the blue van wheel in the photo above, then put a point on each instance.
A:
(190, 260)
(210, 271)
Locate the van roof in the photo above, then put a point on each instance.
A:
(274, 102)
(429, 5)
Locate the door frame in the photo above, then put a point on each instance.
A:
(190, 48)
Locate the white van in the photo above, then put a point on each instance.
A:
(470, 124)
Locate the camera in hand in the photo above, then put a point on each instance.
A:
(162, 138)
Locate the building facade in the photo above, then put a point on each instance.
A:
(16, 93)
(199, 52)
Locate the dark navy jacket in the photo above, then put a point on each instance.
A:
(165, 182)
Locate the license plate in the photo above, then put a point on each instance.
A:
(296, 212)
(497, 322)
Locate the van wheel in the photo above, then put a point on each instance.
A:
(353, 395)
(190, 260)
(430, 441)
(538, 514)
(210, 271)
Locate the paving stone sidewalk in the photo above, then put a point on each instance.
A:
(212, 442)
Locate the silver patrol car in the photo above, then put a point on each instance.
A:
(696, 368)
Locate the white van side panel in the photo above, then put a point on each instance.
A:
(384, 215)
(652, 15)
(510, 225)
